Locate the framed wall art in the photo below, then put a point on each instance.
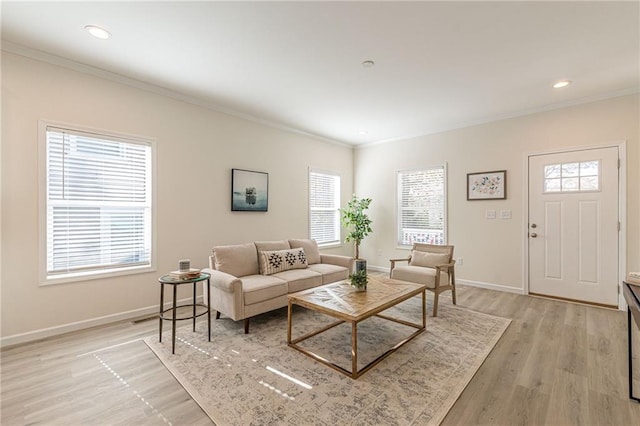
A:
(249, 191)
(487, 185)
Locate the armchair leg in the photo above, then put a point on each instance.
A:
(217, 314)
(246, 326)
(453, 285)
(435, 303)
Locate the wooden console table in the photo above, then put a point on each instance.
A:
(632, 296)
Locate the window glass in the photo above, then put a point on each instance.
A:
(98, 203)
(324, 205)
(421, 206)
(572, 177)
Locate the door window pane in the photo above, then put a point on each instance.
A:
(572, 177)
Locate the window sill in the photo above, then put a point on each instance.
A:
(329, 246)
(95, 275)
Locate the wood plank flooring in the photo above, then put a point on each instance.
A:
(557, 364)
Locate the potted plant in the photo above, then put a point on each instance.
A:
(359, 280)
(359, 225)
(356, 220)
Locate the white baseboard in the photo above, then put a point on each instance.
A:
(81, 325)
(490, 286)
(470, 283)
(378, 268)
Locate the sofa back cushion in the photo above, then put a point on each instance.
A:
(281, 260)
(238, 260)
(429, 260)
(310, 249)
(272, 245)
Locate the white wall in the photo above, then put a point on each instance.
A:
(493, 249)
(196, 150)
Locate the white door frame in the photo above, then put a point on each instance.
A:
(622, 210)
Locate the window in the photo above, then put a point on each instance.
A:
(572, 177)
(422, 206)
(324, 207)
(98, 204)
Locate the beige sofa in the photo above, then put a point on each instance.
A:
(253, 278)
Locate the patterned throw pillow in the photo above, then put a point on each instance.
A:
(275, 261)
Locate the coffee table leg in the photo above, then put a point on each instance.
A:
(354, 350)
(173, 320)
(289, 318)
(161, 306)
(424, 310)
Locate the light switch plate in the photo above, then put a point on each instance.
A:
(490, 214)
(505, 214)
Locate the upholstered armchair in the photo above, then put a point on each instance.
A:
(431, 265)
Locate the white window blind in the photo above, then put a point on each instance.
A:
(98, 203)
(324, 205)
(421, 206)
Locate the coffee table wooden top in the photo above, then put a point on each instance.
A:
(341, 300)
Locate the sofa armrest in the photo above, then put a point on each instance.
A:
(224, 281)
(225, 294)
(338, 260)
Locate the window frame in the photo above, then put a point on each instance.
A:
(398, 212)
(97, 273)
(338, 242)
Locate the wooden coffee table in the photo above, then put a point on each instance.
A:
(340, 300)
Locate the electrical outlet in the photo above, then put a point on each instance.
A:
(459, 261)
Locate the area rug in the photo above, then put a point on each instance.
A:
(256, 379)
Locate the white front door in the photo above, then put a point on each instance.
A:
(573, 225)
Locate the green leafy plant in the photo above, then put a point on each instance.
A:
(359, 279)
(356, 221)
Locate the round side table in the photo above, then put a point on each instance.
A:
(175, 282)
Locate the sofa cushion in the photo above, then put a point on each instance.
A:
(275, 261)
(310, 248)
(272, 245)
(330, 273)
(429, 260)
(300, 279)
(258, 288)
(237, 260)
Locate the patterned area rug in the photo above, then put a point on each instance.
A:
(257, 379)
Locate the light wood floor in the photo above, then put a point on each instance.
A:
(557, 364)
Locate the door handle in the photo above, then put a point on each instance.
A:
(533, 235)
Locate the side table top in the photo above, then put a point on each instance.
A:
(170, 279)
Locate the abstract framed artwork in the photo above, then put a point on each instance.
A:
(487, 185)
(249, 191)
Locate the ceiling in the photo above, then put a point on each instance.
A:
(298, 65)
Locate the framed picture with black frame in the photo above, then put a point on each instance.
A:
(487, 185)
(249, 191)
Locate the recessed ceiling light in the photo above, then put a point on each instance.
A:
(98, 32)
(561, 84)
(363, 132)
(368, 64)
